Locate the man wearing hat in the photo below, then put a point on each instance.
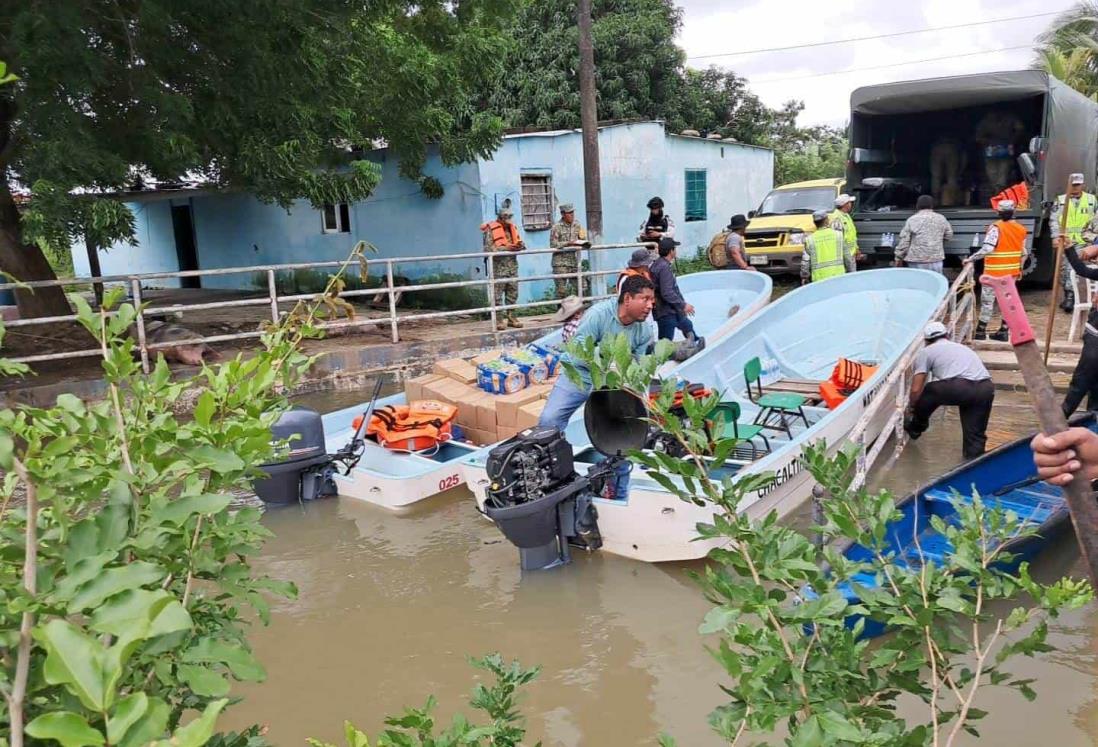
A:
(1081, 208)
(671, 311)
(502, 238)
(570, 314)
(826, 254)
(566, 233)
(844, 224)
(733, 245)
(638, 264)
(1004, 253)
(958, 378)
(656, 226)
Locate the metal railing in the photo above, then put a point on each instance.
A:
(389, 290)
(956, 312)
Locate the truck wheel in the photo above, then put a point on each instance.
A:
(1041, 277)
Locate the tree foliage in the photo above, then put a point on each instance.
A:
(275, 97)
(1068, 49)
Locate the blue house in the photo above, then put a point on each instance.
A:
(703, 182)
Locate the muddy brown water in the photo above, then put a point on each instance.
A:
(390, 607)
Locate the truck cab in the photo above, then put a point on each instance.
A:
(776, 231)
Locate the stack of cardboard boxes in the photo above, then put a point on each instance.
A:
(484, 418)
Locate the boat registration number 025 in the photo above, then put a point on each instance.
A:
(759, 259)
(451, 481)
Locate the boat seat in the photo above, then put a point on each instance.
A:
(1020, 501)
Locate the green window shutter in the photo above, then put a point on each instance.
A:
(695, 194)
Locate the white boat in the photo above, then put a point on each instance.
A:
(396, 480)
(868, 316)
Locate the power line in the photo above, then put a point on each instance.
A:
(894, 64)
(877, 36)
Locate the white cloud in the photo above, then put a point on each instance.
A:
(713, 26)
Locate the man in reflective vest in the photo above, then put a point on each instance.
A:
(844, 224)
(1081, 208)
(826, 252)
(1004, 252)
(501, 237)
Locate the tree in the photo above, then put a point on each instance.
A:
(715, 100)
(639, 68)
(1069, 48)
(278, 98)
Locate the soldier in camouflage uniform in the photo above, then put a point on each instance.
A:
(566, 233)
(502, 238)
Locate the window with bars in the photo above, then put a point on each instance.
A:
(695, 194)
(336, 218)
(537, 202)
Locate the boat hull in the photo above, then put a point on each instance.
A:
(396, 480)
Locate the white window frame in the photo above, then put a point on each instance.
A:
(342, 213)
(536, 203)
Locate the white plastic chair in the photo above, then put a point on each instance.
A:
(1082, 303)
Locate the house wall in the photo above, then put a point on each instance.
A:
(637, 162)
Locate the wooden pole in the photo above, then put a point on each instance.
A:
(592, 180)
(1081, 504)
(1056, 273)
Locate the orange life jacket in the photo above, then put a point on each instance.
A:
(846, 377)
(1007, 257)
(631, 272)
(1018, 193)
(501, 235)
(420, 425)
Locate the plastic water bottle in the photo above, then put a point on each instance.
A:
(771, 371)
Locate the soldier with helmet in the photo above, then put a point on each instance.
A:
(657, 226)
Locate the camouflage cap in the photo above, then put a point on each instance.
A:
(567, 207)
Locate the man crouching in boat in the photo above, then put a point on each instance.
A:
(626, 314)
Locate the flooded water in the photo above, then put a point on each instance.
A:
(391, 605)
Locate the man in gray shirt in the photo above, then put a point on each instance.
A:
(923, 238)
(959, 379)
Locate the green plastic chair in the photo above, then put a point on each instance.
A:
(775, 405)
(727, 419)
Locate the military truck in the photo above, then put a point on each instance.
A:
(964, 140)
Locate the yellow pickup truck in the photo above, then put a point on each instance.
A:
(775, 232)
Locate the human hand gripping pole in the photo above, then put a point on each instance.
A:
(1081, 503)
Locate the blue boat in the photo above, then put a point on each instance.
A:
(1005, 478)
(723, 299)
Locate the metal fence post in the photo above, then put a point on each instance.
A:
(272, 288)
(392, 300)
(492, 291)
(135, 286)
(579, 271)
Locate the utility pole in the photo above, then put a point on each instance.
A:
(592, 181)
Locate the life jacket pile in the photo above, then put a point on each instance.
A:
(846, 378)
(417, 426)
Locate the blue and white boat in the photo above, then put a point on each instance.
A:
(1005, 478)
(872, 316)
(723, 301)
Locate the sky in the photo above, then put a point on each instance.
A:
(721, 26)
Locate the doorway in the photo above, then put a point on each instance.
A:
(185, 249)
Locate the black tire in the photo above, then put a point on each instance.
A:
(1041, 277)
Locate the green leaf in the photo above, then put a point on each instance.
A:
(161, 610)
(149, 727)
(70, 729)
(836, 725)
(209, 651)
(7, 451)
(178, 511)
(717, 619)
(197, 732)
(126, 714)
(113, 581)
(808, 734)
(221, 461)
(74, 660)
(203, 681)
(204, 409)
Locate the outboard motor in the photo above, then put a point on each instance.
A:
(305, 471)
(535, 496)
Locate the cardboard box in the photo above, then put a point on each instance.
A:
(507, 405)
(506, 432)
(413, 388)
(529, 413)
(491, 355)
(457, 369)
(481, 437)
(486, 412)
(542, 390)
(445, 390)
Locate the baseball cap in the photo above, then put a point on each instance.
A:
(567, 207)
(640, 258)
(1078, 179)
(1005, 205)
(844, 199)
(933, 331)
(819, 215)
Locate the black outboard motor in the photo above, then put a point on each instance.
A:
(535, 496)
(305, 471)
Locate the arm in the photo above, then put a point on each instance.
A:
(947, 233)
(806, 262)
(918, 381)
(1054, 218)
(991, 239)
(555, 241)
(1082, 270)
(733, 247)
(850, 261)
(670, 232)
(905, 240)
(1058, 456)
(1090, 233)
(668, 289)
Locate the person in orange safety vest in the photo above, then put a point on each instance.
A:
(1004, 252)
(501, 237)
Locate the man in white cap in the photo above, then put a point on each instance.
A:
(844, 224)
(1004, 253)
(826, 253)
(1080, 206)
(958, 378)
